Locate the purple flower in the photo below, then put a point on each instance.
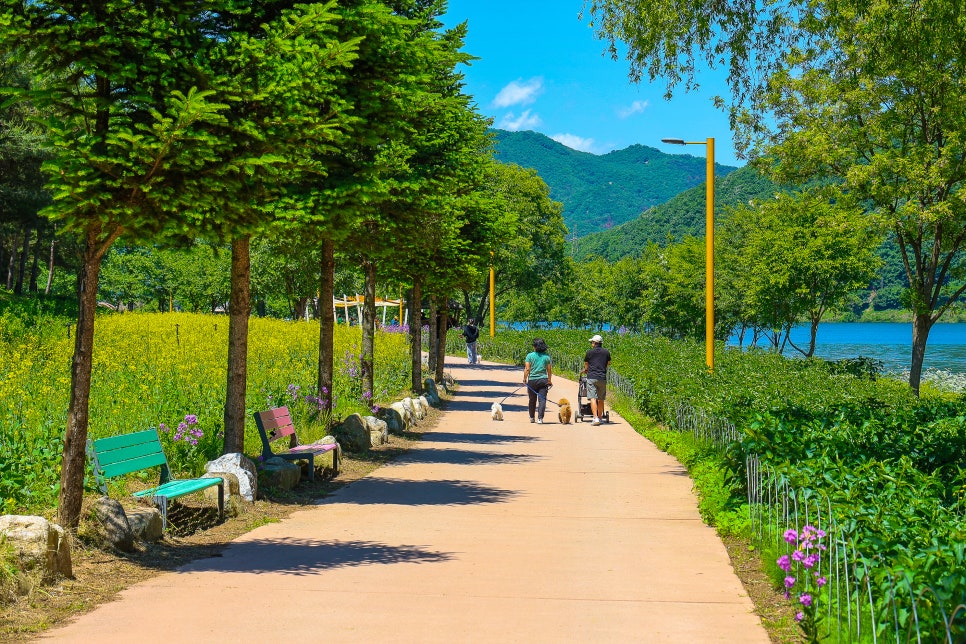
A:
(191, 419)
(820, 581)
(806, 599)
(163, 427)
(784, 563)
(810, 560)
(799, 616)
(789, 582)
(798, 555)
(791, 536)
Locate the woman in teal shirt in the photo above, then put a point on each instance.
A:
(537, 375)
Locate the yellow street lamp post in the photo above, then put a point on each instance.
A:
(492, 295)
(709, 249)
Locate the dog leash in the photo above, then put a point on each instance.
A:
(512, 393)
(544, 397)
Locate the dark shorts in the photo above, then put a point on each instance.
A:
(597, 389)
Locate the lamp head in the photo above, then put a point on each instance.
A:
(674, 141)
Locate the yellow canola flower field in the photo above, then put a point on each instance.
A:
(154, 369)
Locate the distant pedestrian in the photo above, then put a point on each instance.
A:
(471, 334)
(596, 362)
(538, 377)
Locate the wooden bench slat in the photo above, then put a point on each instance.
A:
(126, 440)
(126, 466)
(174, 489)
(128, 453)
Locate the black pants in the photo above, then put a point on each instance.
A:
(537, 390)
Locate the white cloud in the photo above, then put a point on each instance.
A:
(635, 108)
(525, 121)
(574, 142)
(519, 93)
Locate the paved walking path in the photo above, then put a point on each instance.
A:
(485, 532)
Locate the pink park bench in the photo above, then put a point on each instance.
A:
(276, 424)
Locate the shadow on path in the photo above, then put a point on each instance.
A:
(310, 556)
(381, 491)
(477, 439)
(483, 406)
(463, 457)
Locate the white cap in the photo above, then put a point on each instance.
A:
(597, 338)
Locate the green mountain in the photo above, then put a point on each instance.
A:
(602, 191)
(681, 216)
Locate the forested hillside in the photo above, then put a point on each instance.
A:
(681, 216)
(602, 191)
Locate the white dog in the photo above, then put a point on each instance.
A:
(496, 411)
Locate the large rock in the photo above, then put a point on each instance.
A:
(281, 474)
(410, 407)
(39, 544)
(425, 405)
(418, 408)
(378, 430)
(355, 434)
(393, 418)
(405, 414)
(233, 498)
(112, 524)
(243, 469)
(432, 393)
(145, 523)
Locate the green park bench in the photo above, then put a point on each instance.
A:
(119, 455)
(276, 424)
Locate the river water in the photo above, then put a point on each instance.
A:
(890, 342)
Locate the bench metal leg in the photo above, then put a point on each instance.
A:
(162, 503)
(311, 467)
(221, 501)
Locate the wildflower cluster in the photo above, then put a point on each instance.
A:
(187, 430)
(803, 577)
(190, 448)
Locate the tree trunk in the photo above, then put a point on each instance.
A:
(75, 435)
(416, 336)
(300, 306)
(813, 333)
(50, 264)
(12, 261)
(35, 265)
(326, 324)
(239, 308)
(921, 325)
(368, 331)
(441, 355)
(433, 348)
(22, 261)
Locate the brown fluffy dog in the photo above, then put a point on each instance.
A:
(564, 414)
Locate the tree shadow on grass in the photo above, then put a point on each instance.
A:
(309, 556)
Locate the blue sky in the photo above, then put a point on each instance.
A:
(542, 69)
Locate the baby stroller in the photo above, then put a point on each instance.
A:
(583, 406)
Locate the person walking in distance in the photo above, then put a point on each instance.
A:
(537, 376)
(471, 333)
(596, 362)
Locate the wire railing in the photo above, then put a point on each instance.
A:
(862, 598)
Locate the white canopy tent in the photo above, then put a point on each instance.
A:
(345, 302)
